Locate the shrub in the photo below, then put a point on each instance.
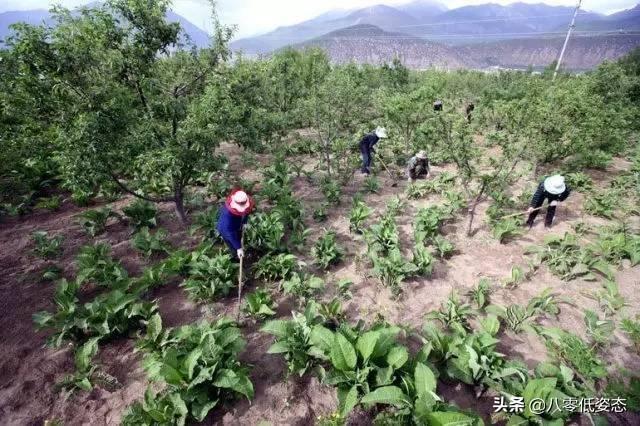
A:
(47, 247)
(326, 251)
(210, 276)
(275, 267)
(199, 364)
(95, 265)
(259, 305)
(358, 214)
(141, 213)
(148, 243)
(95, 221)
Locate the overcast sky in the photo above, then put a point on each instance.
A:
(258, 16)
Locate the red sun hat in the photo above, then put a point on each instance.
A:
(239, 203)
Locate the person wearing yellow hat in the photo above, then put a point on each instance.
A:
(417, 166)
(553, 189)
(232, 219)
(366, 147)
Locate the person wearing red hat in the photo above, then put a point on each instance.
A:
(233, 216)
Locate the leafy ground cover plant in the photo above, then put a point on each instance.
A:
(579, 181)
(608, 297)
(632, 328)
(480, 293)
(141, 213)
(210, 276)
(359, 213)
(259, 305)
(275, 267)
(371, 184)
(507, 229)
(302, 286)
(293, 340)
(382, 237)
(344, 288)
(427, 223)
(616, 243)
(47, 247)
(266, 233)
(109, 314)
(320, 214)
(423, 260)
(82, 377)
(602, 204)
(331, 190)
(453, 314)
(52, 203)
(599, 330)
(199, 364)
(326, 250)
(567, 260)
(95, 265)
(94, 222)
(443, 247)
(392, 269)
(148, 243)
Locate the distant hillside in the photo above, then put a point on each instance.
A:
(372, 45)
(583, 52)
(38, 16)
(627, 20)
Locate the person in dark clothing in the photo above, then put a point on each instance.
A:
(468, 110)
(437, 105)
(417, 166)
(232, 219)
(366, 147)
(552, 189)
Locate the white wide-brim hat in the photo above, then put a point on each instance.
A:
(555, 185)
(240, 201)
(381, 132)
(421, 154)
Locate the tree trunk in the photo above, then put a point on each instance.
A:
(472, 215)
(179, 202)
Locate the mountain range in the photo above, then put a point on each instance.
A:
(426, 33)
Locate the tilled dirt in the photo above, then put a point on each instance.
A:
(29, 396)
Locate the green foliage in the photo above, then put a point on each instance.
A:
(141, 214)
(506, 229)
(199, 364)
(274, 267)
(331, 191)
(148, 243)
(443, 247)
(599, 331)
(94, 222)
(453, 314)
(579, 181)
(344, 286)
(156, 409)
(632, 328)
(567, 260)
(266, 233)
(210, 276)
(427, 223)
(480, 293)
(423, 260)
(603, 204)
(392, 269)
(320, 214)
(81, 378)
(108, 315)
(52, 203)
(371, 184)
(382, 237)
(302, 286)
(608, 297)
(359, 213)
(326, 250)
(47, 247)
(52, 273)
(294, 340)
(259, 305)
(573, 350)
(394, 206)
(95, 265)
(616, 243)
(519, 318)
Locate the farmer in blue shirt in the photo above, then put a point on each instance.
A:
(366, 147)
(233, 216)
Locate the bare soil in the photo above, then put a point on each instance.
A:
(30, 371)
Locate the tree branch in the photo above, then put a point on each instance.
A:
(135, 194)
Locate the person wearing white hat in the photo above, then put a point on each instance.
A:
(555, 190)
(366, 147)
(232, 219)
(417, 166)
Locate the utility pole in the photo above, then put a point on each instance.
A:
(566, 40)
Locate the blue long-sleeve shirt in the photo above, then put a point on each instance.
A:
(230, 226)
